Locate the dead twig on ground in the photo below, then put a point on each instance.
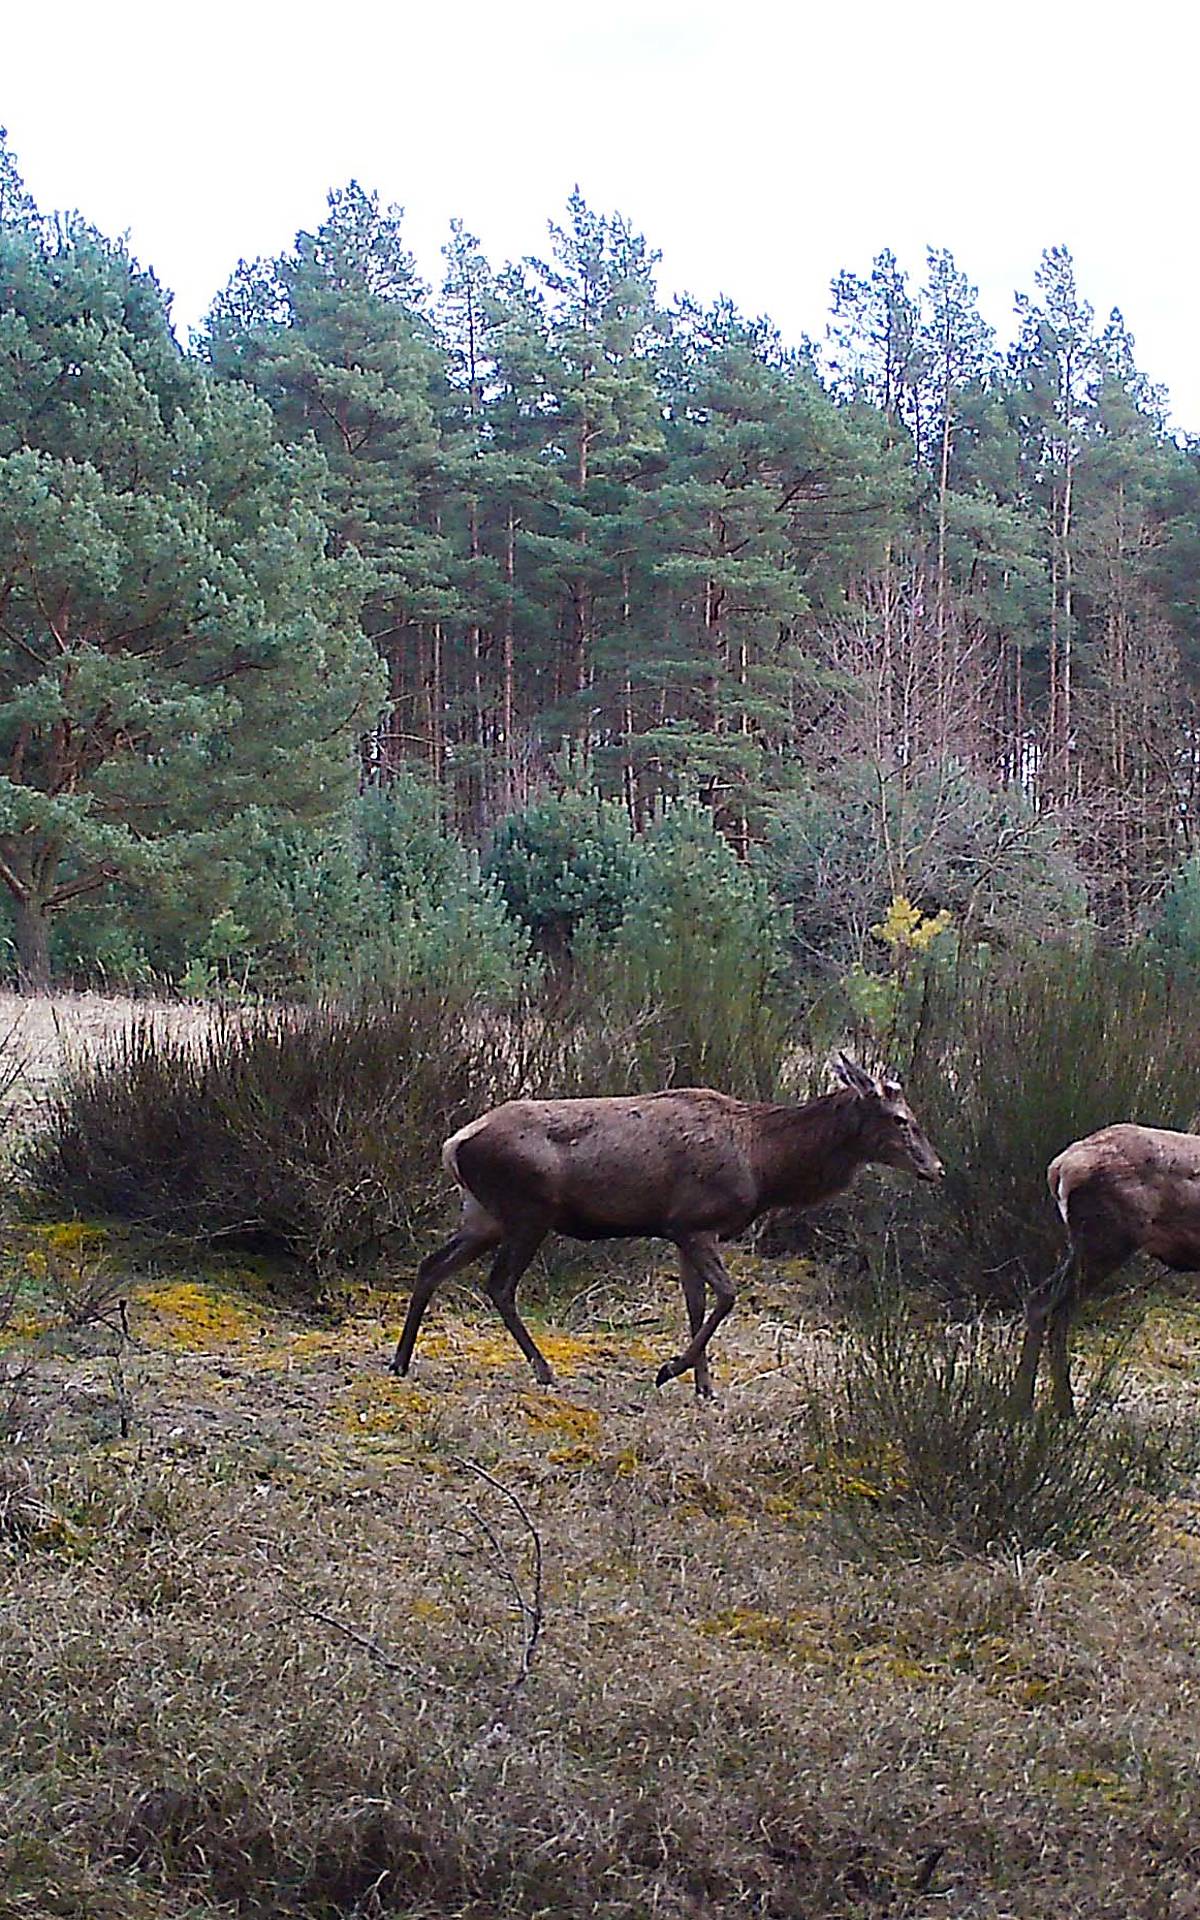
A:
(528, 1591)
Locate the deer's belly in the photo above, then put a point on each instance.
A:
(581, 1226)
(1182, 1256)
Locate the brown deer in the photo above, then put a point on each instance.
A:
(689, 1165)
(1121, 1191)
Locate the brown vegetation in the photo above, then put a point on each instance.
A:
(281, 1635)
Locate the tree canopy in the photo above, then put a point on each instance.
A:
(885, 591)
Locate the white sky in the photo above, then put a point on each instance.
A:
(760, 147)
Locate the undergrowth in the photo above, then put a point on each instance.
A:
(913, 1427)
(315, 1133)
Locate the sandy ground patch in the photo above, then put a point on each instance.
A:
(42, 1034)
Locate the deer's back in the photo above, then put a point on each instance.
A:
(1129, 1187)
(608, 1167)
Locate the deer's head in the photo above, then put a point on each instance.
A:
(891, 1135)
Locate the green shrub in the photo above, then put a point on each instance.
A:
(1174, 934)
(385, 893)
(914, 1436)
(566, 863)
(391, 898)
(699, 950)
(433, 916)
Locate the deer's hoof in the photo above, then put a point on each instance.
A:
(664, 1374)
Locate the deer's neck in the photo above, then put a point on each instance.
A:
(807, 1154)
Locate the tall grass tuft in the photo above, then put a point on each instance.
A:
(913, 1429)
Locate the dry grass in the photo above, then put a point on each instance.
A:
(272, 1653)
(265, 1655)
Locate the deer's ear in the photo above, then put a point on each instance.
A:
(852, 1075)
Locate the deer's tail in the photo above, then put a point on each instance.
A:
(1059, 1189)
(452, 1145)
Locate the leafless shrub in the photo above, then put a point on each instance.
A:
(519, 1569)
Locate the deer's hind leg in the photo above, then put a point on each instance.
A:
(693, 1293)
(1059, 1348)
(515, 1255)
(1048, 1308)
(477, 1234)
(699, 1251)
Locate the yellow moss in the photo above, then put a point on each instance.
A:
(422, 1609)
(896, 1663)
(304, 1346)
(574, 1456)
(749, 1627)
(877, 1477)
(192, 1314)
(1090, 1783)
(25, 1326)
(550, 1413)
(70, 1236)
(468, 1346)
(1170, 1338)
(375, 1407)
(476, 1346)
(699, 1495)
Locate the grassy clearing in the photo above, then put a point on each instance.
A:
(280, 1635)
(264, 1654)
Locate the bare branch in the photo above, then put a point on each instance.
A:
(529, 1601)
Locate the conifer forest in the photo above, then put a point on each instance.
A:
(535, 687)
(403, 621)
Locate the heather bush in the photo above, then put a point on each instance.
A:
(1010, 1060)
(311, 1133)
(913, 1430)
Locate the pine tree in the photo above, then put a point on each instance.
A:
(334, 337)
(1054, 362)
(176, 649)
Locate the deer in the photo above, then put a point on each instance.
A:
(689, 1165)
(1124, 1190)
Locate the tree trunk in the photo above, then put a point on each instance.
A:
(31, 921)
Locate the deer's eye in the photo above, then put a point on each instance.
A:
(901, 1121)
